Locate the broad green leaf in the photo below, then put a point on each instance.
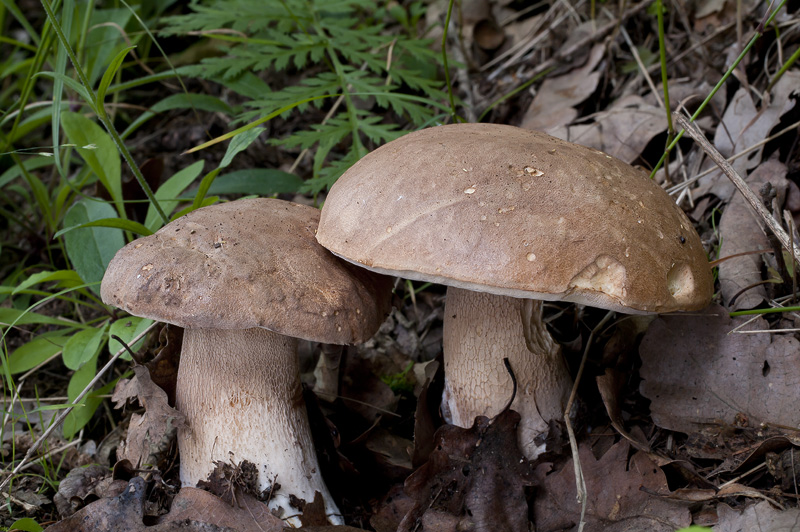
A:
(68, 276)
(90, 249)
(108, 76)
(82, 347)
(118, 223)
(30, 355)
(258, 181)
(99, 152)
(168, 193)
(26, 524)
(127, 329)
(240, 143)
(81, 415)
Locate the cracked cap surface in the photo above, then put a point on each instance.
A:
(514, 212)
(244, 264)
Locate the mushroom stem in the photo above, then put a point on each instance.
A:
(240, 392)
(482, 329)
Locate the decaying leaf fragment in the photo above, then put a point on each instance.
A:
(84, 485)
(149, 435)
(616, 496)
(761, 517)
(474, 480)
(697, 373)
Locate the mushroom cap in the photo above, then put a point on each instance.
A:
(244, 264)
(509, 211)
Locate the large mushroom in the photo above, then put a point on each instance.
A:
(246, 279)
(506, 218)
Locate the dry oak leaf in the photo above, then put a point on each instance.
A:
(696, 374)
(474, 480)
(743, 126)
(761, 517)
(125, 513)
(149, 435)
(616, 500)
(84, 485)
(555, 101)
(623, 130)
(739, 231)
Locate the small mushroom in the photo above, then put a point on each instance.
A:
(246, 279)
(506, 218)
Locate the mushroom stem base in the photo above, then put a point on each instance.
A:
(480, 330)
(240, 392)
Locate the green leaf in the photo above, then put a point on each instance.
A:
(30, 355)
(118, 223)
(21, 317)
(258, 181)
(81, 414)
(90, 249)
(240, 143)
(99, 152)
(206, 182)
(168, 193)
(127, 329)
(72, 84)
(83, 346)
(108, 77)
(201, 102)
(15, 171)
(68, 278)
(26, 524)
(104, 40)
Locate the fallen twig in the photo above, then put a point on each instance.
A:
(749, 196)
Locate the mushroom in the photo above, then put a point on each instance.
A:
(507, 218)
(246, 279)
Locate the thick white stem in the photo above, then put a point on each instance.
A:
(240, 392)
(480, 330)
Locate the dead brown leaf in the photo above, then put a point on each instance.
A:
(697, 374)
(247, 515)
(149, 435)
(761, 517)
(475, 480)
(555, 101)
(739, 232)
(125, 513)
(616, 500)
(624, 130)
(744, 125)
(83, 485)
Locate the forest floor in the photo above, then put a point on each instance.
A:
(681, 419)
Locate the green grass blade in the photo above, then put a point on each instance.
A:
(116, 223)
(108, 77)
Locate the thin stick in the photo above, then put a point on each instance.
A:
(66, 411)
(580, 482)
(740, 184)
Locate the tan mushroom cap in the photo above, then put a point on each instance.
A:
(244, 264)
(514, 212)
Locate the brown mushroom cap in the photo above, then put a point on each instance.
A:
(514, 212)
(243, 264)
